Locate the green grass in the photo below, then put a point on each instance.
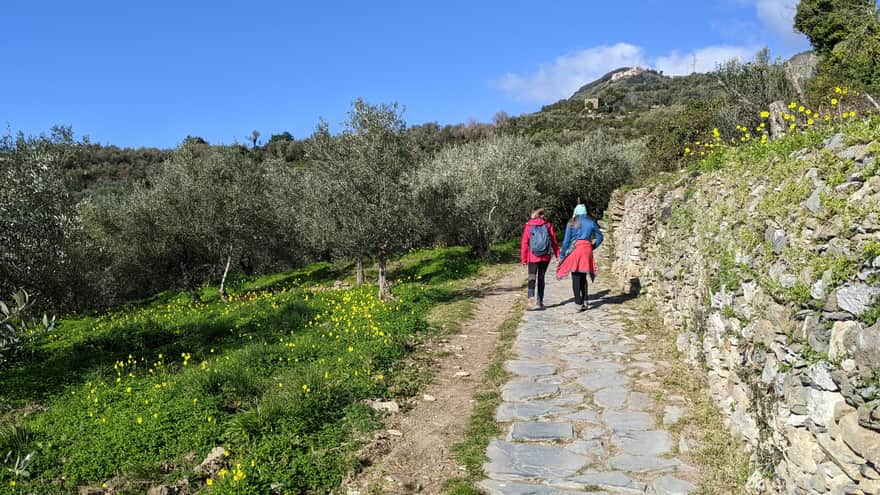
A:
(471, 451)
(139, 395)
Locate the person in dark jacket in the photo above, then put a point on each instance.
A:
(582, 237)
(538, 262)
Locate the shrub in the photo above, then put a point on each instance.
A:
(668, 136)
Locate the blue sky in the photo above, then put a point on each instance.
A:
(149, 73)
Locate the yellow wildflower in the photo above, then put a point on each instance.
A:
(765, 114)
(209, 481)
(140, 420)
(833, 101)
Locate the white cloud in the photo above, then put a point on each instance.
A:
(778, 16)
(703, 59)
(569, 72)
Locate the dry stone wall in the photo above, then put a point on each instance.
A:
(768, 281)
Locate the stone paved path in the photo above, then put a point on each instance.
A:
(574, 416)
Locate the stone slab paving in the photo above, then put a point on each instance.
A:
(575, 413)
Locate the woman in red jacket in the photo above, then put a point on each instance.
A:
(538, 244)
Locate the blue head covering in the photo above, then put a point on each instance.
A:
(580, 210)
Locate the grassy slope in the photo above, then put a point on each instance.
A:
(142, 394)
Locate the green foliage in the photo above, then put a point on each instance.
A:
(586, 171)
(277, 376)
(669, 136)
(17, 327)
(872, 315)
(829, 22)
(479, 193)
(204, 207)
(360, 180)
(725, 274)
(871, 250)
(847, 35)
(750, 88)
(840, 266)
(36, 212)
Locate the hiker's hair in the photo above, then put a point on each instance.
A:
(539, 213)
(573, 222)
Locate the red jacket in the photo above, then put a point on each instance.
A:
(526, 255)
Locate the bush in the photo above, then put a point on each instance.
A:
(17, 327)
(846, 33)
(669, 135)
(750, 88)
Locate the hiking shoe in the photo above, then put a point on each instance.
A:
(582, 308)
(540, 304)
(531, 304)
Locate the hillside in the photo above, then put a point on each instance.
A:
(628, 98)
(764, 261)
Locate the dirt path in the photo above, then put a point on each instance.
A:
(419, 442)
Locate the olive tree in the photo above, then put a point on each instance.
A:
(480, 192)
(37, 217)
(206, 208)
(586, 171)
(357, 186)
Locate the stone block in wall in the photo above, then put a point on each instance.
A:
(844, 335)
(802, 452)
(839, 453)
(864, 442)
(856, 298)
(744, 424)
(867, 348)
(795, 395)
(821, 405)
(818, 376)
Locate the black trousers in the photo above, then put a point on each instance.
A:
(579, 287)
(537, 271)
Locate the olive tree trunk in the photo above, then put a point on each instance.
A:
(383, 279)
(359, 269)
(223, 295)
